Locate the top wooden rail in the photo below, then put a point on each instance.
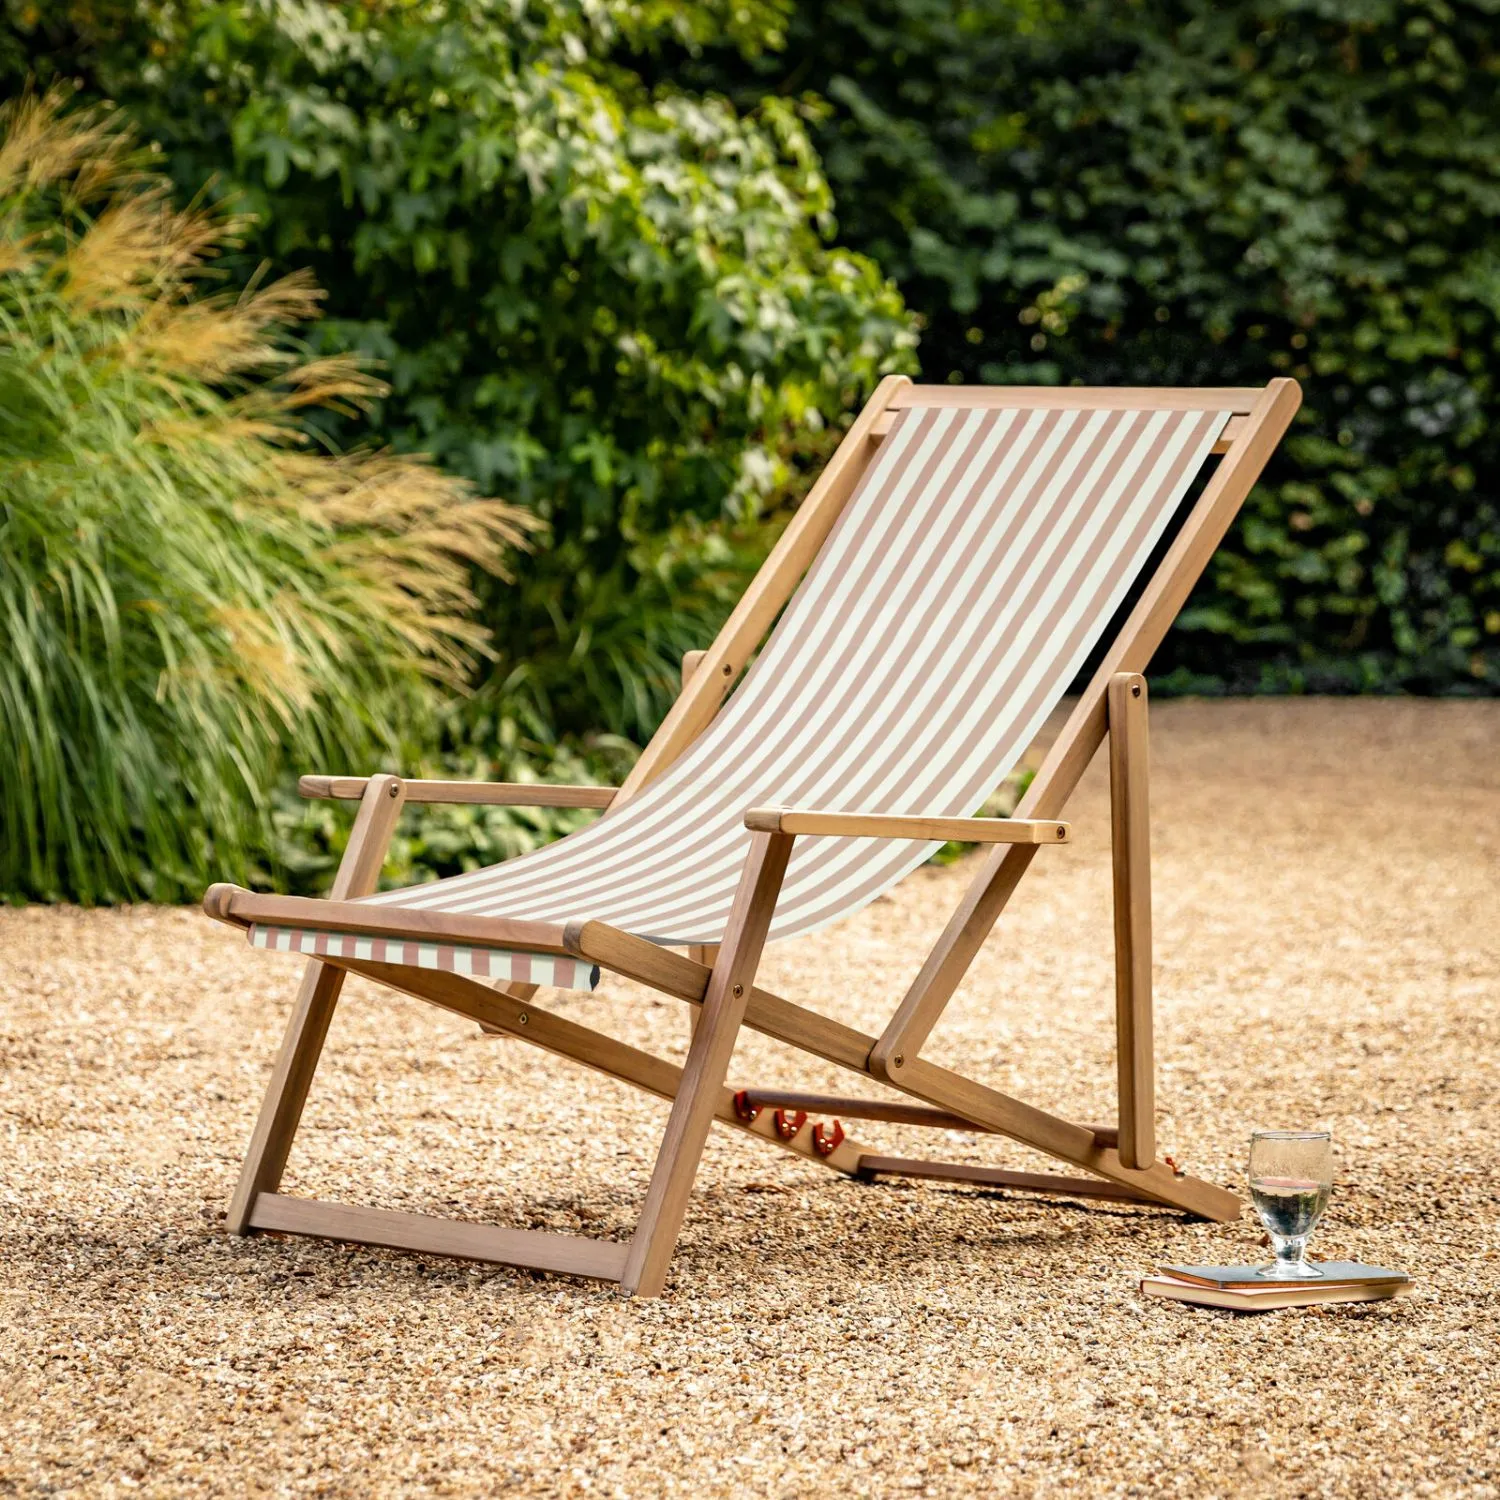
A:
(480, 793)
(1232, 398)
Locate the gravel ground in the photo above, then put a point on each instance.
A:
(1328, 948)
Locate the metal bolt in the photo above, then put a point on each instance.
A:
(739, 990)
(395, 789)
(1135, 690)
(522, 1019)
(727, 670)
(1062, 832)
(899, 1060)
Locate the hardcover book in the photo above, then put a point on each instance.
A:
(1229, 1286)
(1331, 1271)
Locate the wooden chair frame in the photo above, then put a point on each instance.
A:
(718, 984)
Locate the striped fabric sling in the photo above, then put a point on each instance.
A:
(978, 562)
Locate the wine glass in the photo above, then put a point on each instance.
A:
(1291, 1176)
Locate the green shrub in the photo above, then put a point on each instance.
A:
(1176, 191)
(618, 304)
(194, 598)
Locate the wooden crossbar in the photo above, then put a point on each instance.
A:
(1241, 399)
(571, 1255)
(231, 903)
(466, 793)
(1025, 1182)
(890, 1111)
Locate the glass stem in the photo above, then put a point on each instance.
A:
(1291, 1253)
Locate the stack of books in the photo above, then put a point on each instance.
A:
(1240, 1288)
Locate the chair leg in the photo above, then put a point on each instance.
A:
(1131, 838)
(301, 1047)
(707, 1064)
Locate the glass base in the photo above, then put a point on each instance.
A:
(1289, 1270)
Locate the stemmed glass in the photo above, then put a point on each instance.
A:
(1291, 1176)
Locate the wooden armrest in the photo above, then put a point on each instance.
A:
(486, 793)
(890, 826)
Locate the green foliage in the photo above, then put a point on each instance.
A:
(191, 596)
(1200, 191)
(617, 304)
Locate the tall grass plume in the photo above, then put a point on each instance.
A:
(194, 593)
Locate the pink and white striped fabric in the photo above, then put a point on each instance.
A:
(980, 559)
(480, 963)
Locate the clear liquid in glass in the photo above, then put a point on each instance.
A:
(1289, 1206)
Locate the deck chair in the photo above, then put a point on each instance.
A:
(960, 558)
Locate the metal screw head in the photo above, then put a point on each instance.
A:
(395, 789)
(522, 1019)
(1135, 690)
(727, 670)
(739, 990)
(1062, 832)
(899, 1060)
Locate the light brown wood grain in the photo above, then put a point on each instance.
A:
(467, 793)
(893, 826)
(243, 908)
(891, 1111)
(1028, 1182)
(1240, 399)
(569, 1255)
(1130, 831)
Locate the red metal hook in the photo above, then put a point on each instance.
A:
(787, 1128)
(747, 1111)
(825, 1141)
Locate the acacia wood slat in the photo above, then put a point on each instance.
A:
(476, 793)
(1159, 604)
(890, 1111)
(1031, 1182)
(1239, 399)
(569, 1255)
(771, 587)
(312, 1011)
(895, 826)
(245, 907)
(1130, 838)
